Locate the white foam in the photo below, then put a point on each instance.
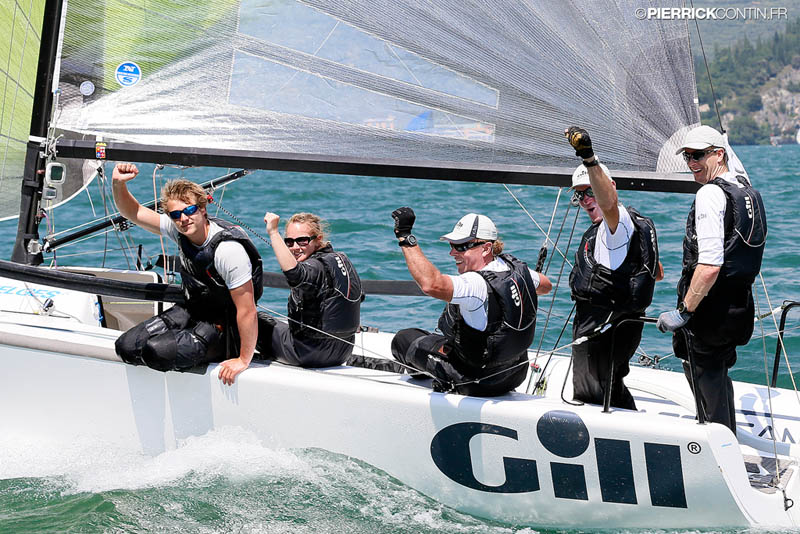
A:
(95, 467)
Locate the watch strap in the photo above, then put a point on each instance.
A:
(592, 163)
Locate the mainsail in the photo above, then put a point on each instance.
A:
(21, 38)
(485, 85)
(20, 27)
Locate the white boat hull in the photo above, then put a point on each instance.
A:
(520, 459)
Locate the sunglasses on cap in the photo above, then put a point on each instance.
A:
(188, 210)
(697, 156)
(463, 247)
(578, 196)
(301, 241)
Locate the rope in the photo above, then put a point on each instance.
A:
(540, 382)
(596, 332)
(352, 344)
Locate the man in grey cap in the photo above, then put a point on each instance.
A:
(722, 250)
(616, 267)
(489, 321)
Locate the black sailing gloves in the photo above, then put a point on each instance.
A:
(580, 141)
(403, 221)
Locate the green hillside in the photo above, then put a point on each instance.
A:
(724, 33)
(748, 74)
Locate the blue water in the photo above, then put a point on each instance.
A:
(203, 487)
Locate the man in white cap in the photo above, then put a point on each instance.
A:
(616, 267)
(489, 321)
(725, 235)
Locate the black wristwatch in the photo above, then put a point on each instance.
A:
(592, 163)
(682, 308)
(408, 241)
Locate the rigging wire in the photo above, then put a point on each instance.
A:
(238, 221)
(708, 72)
(769, 394)
(780, 338)
(557, 285)
(124, 243)
(156, 198)
(547, 237)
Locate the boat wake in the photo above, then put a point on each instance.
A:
(224, 478)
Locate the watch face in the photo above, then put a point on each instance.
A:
(411, 240)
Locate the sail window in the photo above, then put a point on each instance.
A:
(276, 87)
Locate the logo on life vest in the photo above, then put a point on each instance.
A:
(515, 295)
(341, 265)
(749, 205)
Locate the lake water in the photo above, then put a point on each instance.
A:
(228, 482)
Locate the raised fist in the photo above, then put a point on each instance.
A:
(403, 221)
(580, 141)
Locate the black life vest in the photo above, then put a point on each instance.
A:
(745, 226)
(207, 296)
(603, 295)
(511, 322)
(334, 308)
(725, 315)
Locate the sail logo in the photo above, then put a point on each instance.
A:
(128, 73)
(564, 435)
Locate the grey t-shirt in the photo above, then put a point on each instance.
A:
(231, 260)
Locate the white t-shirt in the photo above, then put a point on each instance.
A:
(470, 292)
(610, 249)
(231, 260)
(709, 221)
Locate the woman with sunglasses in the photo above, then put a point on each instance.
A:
(325, 300)
(221, 276)
(613, 279)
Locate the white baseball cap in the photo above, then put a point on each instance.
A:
(702, 137)
(471, 226)
(581, 175)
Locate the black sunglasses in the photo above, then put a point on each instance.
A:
(188, 210)
(697, 156)
(578, 196)
(302, 240)
(463, 247)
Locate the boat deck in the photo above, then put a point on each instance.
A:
(762, 473)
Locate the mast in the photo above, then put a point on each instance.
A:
(33, 177)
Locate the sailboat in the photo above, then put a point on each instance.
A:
(447, 90)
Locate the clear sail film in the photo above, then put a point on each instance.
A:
(479, 83)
